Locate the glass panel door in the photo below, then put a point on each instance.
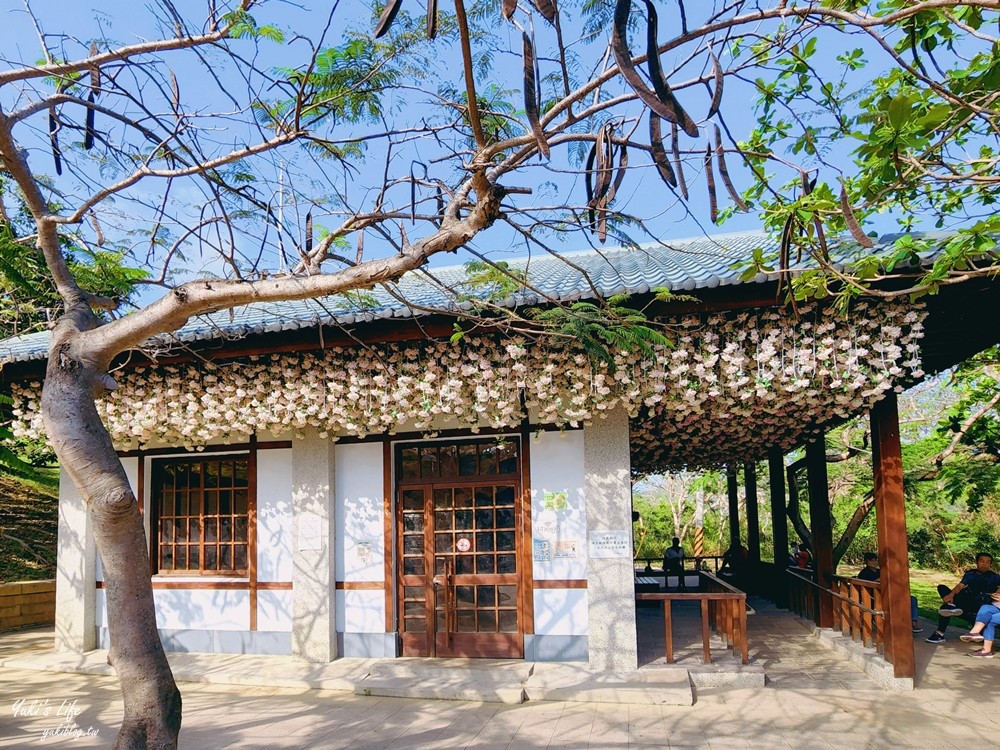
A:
(457, 549)
(475, 570)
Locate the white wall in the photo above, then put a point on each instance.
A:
(274, 611)
(202, 609)
(558, 512)
(360, 611)
(561, 612)
(274, 515)
(360, 541)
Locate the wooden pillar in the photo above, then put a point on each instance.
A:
(890, 517)
(753, 518)
(822, 527)
(779, 524)
(734, 505)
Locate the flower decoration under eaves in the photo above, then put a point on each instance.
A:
(733, 386)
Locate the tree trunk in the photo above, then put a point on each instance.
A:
(793, 505)
(152, 702)
(853, 526)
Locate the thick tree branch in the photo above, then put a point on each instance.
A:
(194, 298)
(964, 428)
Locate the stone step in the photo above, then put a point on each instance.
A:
(567, 682)
(483, 680)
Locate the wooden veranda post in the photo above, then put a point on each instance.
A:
(779, 524)
(890, 519)
(753, 518)
(732, 489)
(822, 527)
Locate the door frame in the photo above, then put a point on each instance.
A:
(522, 536)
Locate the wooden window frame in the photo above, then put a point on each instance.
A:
(155, 508)
(458, 479)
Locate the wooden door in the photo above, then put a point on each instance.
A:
(458, 552)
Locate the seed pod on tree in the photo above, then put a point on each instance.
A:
(852, 222)
(387, 17)
(720, 156)
(713, 202)
(531, 107)
(675, 150)
(657, 151)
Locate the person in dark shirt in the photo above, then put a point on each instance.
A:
(673, 559)
(968, 595)
(872, 572)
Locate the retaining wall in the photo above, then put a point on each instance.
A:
(27, 603)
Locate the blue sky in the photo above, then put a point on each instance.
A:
(642, 192)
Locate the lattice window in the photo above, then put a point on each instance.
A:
(202, 516)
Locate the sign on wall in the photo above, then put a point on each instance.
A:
(610, 545)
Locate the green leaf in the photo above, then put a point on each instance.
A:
(899, 110)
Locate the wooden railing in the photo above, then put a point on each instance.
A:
(723, 610)
(857, 610)
(857, 604)
(803, 592)
(711, 563)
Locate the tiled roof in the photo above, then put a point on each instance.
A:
(681, 266)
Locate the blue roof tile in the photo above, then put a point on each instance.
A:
(681, 266)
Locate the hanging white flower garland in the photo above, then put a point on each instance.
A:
(733, 386)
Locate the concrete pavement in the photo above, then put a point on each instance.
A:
(813, 700)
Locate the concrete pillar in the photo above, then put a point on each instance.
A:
(610, 574)
(314, 622)
(76, 573)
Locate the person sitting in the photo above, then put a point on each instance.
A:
(673, 559)
(968, 595)
(800, 557)
(734, 564)
(984, 630)
(872, 572)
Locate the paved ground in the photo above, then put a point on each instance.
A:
(813, 701)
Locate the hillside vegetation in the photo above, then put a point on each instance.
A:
(28, 522)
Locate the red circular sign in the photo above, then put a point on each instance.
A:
(463, 545)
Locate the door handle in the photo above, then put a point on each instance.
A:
(447, 582)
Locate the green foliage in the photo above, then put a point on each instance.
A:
(491, 281)
(499, 117)
(358, 299)
(919, 130)
(603, 329)
(244, 26)
(345, 84)
(28, 299)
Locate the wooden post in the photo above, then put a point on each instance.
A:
(822, 527)
(753, 519)
(890, 517)
(734, 506)
(779, 524)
